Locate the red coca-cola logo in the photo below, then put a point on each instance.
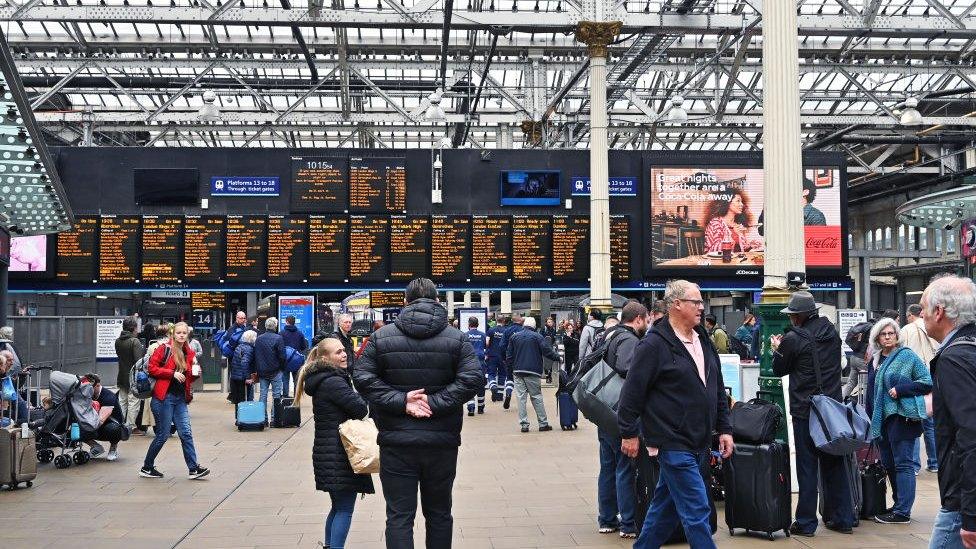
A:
(823, 242)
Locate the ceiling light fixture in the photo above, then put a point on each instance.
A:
(677, 114)
(910, 115)
(209, 112)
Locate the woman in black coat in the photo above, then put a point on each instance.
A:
(325, 378)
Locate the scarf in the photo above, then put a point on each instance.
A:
(901, 366)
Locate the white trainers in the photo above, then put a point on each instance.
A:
(96, 449)
(112, 455)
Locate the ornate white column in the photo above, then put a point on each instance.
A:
(485, 299)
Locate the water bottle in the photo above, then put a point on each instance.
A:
(75, 432)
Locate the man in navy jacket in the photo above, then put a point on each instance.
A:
(675, 396)
(523, 358)
(269, 361)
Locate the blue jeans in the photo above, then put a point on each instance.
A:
(680, 496)
(286, 378)
(928, 434)
(896, 456)
(615, 486)
(945, 532)
(340, 519)
(171, 410)
(812, 464)
(275, 392)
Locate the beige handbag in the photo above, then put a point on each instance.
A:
(359, 440)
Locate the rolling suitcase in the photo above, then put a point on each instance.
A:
(251, 416)
(757, 489)
(853, 479)
(646, 474)
(285, 414)
(18, 458)
(568, 412)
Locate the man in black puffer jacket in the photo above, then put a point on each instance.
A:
(417, 373)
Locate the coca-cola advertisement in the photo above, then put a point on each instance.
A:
(713, 217)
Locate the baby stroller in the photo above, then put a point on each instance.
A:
(71, 402)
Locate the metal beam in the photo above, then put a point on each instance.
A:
(944, 12)
(54, 89)
(180, 93)
(389, 100)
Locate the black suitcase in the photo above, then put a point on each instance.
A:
(285, 414)
(853, 478)
(568, 412)
(647, 471)
(757, 489)
(874, 490)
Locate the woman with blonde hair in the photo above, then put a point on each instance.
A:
(325, 378)
(171, 365)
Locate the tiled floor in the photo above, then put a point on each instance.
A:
(513, 490)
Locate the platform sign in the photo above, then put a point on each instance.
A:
(390, 315)
(846, 319)
(303, 309)
(619, 186)
(245, 186)
(203, 320)
(107, 330)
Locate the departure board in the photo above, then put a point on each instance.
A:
(450, 247)
(245, 256)
(319, 185)
(208, 300)
(531, 247)
(620, 248)
(570, 247)
(118, 249)
(377, 185)
(328, 247)
(385, 298)
(203, 248)
(162, 257)
(286, 248)
(369, 242)
(76, 251)
(409, 247)
(491, 247)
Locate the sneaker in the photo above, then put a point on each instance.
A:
(932, 469)
(545, 428)
(839, 529)
(481, 409)
(607, 529)
(628, 535)
(150, 472)
(508, 401)
(916, 472)
(470, 412)
(96, 449)
(795, 531)
(892, 518)
(525, 428)
(112, 455)
(199, 472)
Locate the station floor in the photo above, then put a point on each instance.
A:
(513, 490)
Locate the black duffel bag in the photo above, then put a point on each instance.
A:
(755, 421)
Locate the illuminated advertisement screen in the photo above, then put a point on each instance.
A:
(530, 188)
(28, 254)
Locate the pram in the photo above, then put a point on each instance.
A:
(71, 402)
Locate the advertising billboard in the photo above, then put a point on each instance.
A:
(530, 188)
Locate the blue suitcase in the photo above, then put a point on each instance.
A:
(251, 416)
(568, 412)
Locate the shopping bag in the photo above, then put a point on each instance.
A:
(359, 440)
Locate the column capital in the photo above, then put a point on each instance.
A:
(597, 35)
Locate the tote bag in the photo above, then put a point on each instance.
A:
(359, 440)
(598, 395)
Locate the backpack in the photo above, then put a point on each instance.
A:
(857, 337)
(736, 346)
(227, 341)
(141, 384)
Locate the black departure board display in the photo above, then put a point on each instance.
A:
(286, 248)
(450, 247)
(369, 242)
(381, 299)
(118, 248)
(319, 185)
(531, 247)
(620, 247)
(409, 247)
(203, 248)
(245, 257)
(570, 247)
(162, 257)
(491, 246)
(76, 251)
(208, 300)
(328, 247)
(377, 185)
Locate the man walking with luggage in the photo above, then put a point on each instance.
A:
(615, 484)
(417, 373)
(674, 394)
(523, 359)
(813, 340)
(949, 313)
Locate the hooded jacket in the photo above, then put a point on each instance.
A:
(129, 350)
(294, 338)
(242, 363)
(333, 402)
(269, 355)
(663, 397)
(525, 350)
(588, 337)
(795, 357)
(418, 351)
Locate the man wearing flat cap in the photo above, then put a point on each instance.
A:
(812, 340)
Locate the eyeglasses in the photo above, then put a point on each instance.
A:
(888, 334)
(696, 302)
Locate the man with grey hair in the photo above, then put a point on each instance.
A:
(949, 312)
(914, 336)
(343, 327)
(269, 362)
(523, 359)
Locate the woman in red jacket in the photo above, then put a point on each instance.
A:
(171, 366)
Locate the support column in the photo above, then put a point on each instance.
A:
(597, 36)
(450, 304)
(535, 304)
(506, 305)
(467, 299)
(782, 171)
(485, 299)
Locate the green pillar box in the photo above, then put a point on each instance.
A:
(773, 322)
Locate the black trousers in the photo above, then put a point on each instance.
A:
(402, 470)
